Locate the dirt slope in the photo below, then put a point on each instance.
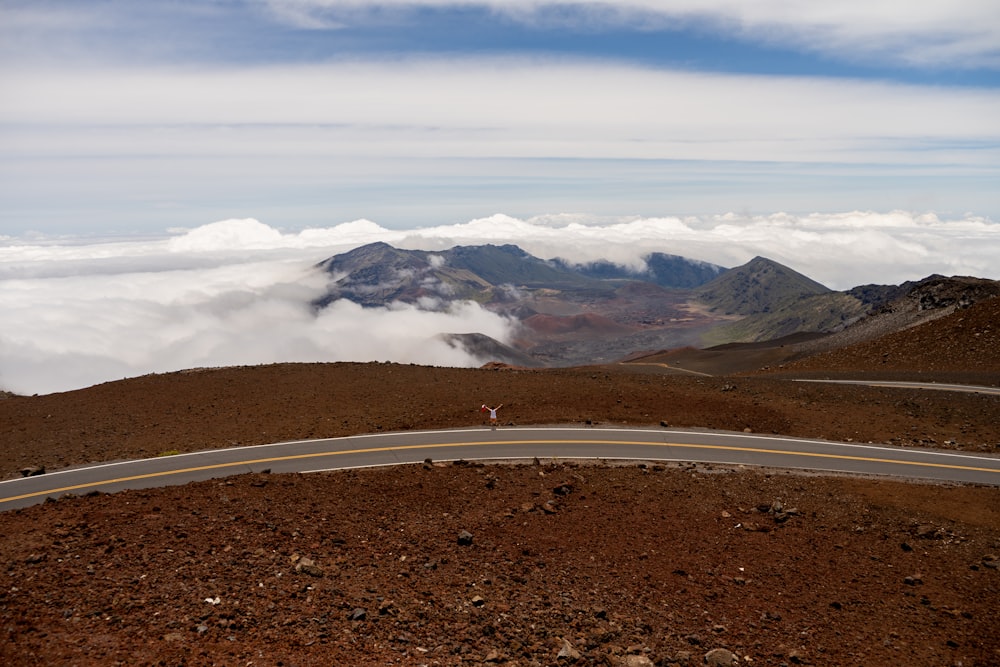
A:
(558, 564)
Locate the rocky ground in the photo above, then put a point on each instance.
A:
(546, 564)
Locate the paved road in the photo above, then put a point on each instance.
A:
(512, 444)
(937, 386)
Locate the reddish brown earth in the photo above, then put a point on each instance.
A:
(567, 564)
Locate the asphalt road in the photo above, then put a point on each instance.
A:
(520, 443)
(934, 386)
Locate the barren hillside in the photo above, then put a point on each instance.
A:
(548, 564)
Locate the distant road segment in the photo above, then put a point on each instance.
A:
(939, 386)
(654, 445)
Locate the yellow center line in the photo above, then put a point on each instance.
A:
(391, 448)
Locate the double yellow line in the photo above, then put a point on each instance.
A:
(400, 448)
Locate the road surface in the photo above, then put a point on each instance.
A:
(936, 386)
(653, 445)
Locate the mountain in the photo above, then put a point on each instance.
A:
(759, 286)
(378, 274)
(577, 314)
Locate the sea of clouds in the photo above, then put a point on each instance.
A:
(78, 312)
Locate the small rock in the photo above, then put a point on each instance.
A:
(927, 532)
(478, 601)
(32, 471)
(358, 614)
(493, 656)
(913, 580)
(308, 566)
(567, 652)
(720, 657)
(465, 538)
(636, 661)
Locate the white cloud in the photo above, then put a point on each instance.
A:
(238, 291)
(423, 140)
(931, 33)
(69, 322)
(489, 108)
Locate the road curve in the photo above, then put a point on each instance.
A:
(654, 445)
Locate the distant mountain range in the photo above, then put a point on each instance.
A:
(600, 312)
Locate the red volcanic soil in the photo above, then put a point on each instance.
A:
(591, 323)
(552, 563)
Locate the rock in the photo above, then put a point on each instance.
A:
(913, 580)
(567, 652)
(927, 532)
(636, 661)
(493, 656)
(478, 601)
(32, 471)
(358, 614)
(308, 566)
(465, 538)
(720, 657)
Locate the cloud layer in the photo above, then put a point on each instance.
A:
(926, 32)
(425, 140)
(238, 291)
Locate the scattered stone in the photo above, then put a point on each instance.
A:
(493, 656)
(990, 561)
(34, 559)
(636, 661)
(720, 657)
(358, 614)
(913, 580)
(464, 538)
(927, 532)
(567, 652)
(32, 471)
(308, 566)
(478, 601)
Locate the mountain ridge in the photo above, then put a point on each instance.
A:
(570, 314)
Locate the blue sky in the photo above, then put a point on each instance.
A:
(122, 117)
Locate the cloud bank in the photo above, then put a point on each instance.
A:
(76, 313)
(925, 33)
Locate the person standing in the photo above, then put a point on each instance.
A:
(493, 414)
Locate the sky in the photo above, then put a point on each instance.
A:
(856, 141)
